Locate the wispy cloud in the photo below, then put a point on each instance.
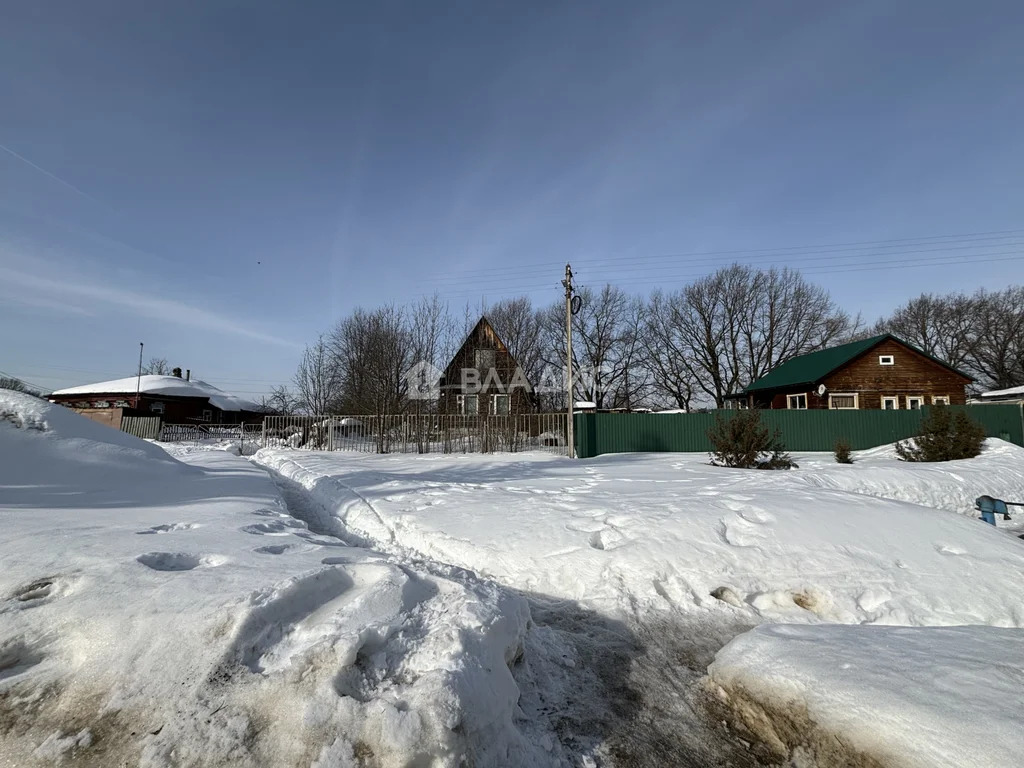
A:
(32, 288)
(53, 176)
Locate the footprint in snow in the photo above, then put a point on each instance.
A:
(168, 528)
(178, 561)
(606, 539)
(741, 533)
(280, 549)
(273, 527)
(35, 592)
(585, 526)
(949, 549)
(16, 658)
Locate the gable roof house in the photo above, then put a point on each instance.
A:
(175, 399)
(882, 372)
(484, 379)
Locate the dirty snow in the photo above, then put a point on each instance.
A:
(189, 607)
(687, 556)
(159, 612)
(933, 697)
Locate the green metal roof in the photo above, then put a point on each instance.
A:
(814, 366)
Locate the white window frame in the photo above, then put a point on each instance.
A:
(157, 408)
(461, 402)
(207, 415)
(937, 399)
(789, 401)
(494, 405)
(887, 359)
(894, 398)
(920, 402)
(854, 395)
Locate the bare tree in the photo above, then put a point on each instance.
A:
(996, 348)
(982, 334)
(730, 328)
(157, 366)
(17, 385)
(608, 366)
(373, 351)
(665, 353)
(281, 401)
(317, 380)
(942, 326)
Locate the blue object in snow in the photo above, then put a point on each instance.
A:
(991, 507)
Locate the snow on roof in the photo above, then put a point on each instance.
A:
(1005, 392)
(164, 385)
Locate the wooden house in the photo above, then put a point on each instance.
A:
(483, 379)
(882, 372)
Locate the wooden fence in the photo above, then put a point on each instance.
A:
(146, 427)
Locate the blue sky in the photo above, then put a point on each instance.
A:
(224, 180)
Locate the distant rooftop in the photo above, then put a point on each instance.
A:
(164, 385)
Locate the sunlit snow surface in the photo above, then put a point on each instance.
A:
(188, 607)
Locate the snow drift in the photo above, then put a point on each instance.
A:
(879, 696)
(159, 612)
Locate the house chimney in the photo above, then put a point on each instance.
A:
(176, 373)
(188, 374)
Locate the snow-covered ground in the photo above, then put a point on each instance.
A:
(686, 555)
(188, 607)
(160, 612)
(898, 696)
(632, 533)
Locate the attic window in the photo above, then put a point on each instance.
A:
(886, 360)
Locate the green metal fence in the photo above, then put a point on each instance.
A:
(811, 430)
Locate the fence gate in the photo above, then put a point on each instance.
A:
(146, 427)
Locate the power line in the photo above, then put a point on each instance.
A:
(952, 240)
(656, 271)
(890, 263)
(25, 381)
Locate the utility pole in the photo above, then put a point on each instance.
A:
(138, 380)
(568, 358)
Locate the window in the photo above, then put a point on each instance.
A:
(940, 399)
(499, 405)
(890, 403)
(484, 358)
(844, 402)
(207, 416)
(156, 407)
(101, 404)
(120, 403)
(914, 403)
(797, 402)
(886, 360)
(467, 404)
